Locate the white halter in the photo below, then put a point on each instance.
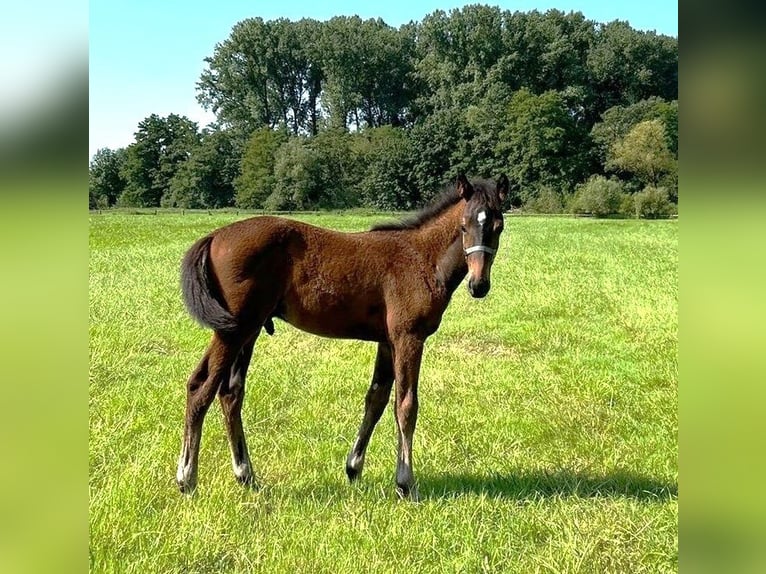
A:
(484, 248)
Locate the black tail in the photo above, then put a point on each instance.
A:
(199, 289)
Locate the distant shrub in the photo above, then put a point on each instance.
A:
(653, 203)
(102, 202)
(600, 196)
(628, 205)
(547, 200)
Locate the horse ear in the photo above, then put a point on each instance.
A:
(464, 188)
(503, 187)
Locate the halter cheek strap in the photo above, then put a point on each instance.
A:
(484, 248)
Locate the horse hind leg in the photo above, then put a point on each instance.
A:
(374, 405)
(202, 386)
(231, 395)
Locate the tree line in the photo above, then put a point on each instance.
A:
(582, 116)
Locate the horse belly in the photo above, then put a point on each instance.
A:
(332, 315)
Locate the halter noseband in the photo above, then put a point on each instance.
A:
(476, 248)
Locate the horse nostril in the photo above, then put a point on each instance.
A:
(479, 290)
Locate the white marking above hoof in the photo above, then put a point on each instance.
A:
(244, 473)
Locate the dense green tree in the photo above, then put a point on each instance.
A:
(627, 66)
(534, 50)
(351, 111)
(256, 180)
(235, 83)
(206, 179)
(459, 47)
(543, 143)
(367, 65)
(546, 51)
(316, 173)
(643, 152)
(617, 121)
(151, 162)
(668, 113)
(291, 75)
(385, 156)
(337, 170)
(484, 125)
(266, 74)
(546, 200)
(294, 177)
(310, 35)
(436, 140)
(105, 180)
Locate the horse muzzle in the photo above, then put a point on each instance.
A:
(478, 289)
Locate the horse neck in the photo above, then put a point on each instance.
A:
(443, 245)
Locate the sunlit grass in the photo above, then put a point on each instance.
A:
(546, 439)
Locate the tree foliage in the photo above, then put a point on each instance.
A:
(367, 65)
(599, 196)
(542, 141)
(206, 178)
(643, 152)
(627, 66)
(351, 112)
(316, 173)
(105, 179)
(151, 162)
(256, 180)
(386, 162)
(653, 202)
(617, 121)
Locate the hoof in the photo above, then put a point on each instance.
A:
(354, 466)
(245, 480)
(248, 481)
(244, 474)
(186, 487)
(407, 492)
(352, 473)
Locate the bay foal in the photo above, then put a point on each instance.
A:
(390, 285)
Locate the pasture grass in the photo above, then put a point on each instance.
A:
(546, 440)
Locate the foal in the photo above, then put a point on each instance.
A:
(390, 285)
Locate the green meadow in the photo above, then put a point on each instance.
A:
(546, 439)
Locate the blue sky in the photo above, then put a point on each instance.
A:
(146, 55)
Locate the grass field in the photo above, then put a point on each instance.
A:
(546, 440)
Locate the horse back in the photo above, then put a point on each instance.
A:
(322, 281)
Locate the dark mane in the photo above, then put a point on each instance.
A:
(449, 197)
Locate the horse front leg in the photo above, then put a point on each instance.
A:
(374, 405)
(408, 352)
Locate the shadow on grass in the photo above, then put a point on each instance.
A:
(531, 485)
